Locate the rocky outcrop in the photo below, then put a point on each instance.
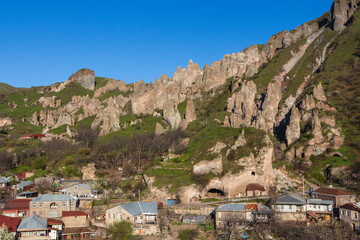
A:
(242, 105)
(204, 167)
(341, 12)
(159, 130)
(171, 115)
(85, 77)
(111, 85)
(50, 102)
(5, 121)
(293, 129)
(190, 114)
(319, 93)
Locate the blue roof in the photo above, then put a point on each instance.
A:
(33, 222)
(231, 207)
(318, 201)
(54, 198)
(4, 180)
(138, 208)
(25, 183)
(290, 199)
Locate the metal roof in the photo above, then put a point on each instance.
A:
(194, 217)
(33, 222)
(290, 199)
(25, 183)
(83, 185)
(318, 201)
(4, 180)
(231, 207)
(138, 208)
(54, 198)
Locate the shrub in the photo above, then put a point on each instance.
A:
(188, 234)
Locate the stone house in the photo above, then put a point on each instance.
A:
(80, 190)
(17, 208)
(290, 208)
(11, 223)
(254, 189)
(235, 214)
(143, 216)
(338, 196)
(52, 205)
(74, 219)
(35, 228)
(350, 215)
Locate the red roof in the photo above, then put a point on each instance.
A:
(17, 204)
(22, 175)
(10, 222)
(255, 187)
(251, 207)
(34, 136)
(52, 221)
(73, 213)
(332, 191)
(351, 206)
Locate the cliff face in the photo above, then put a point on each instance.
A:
(283, 89)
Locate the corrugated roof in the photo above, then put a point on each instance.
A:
(17, 204)
(319, 201)
(263, 209)
(231, 207)
(54, 198)
(331, 191)
(11, 223)
(83, 185)
(194, 217)
(73, 213)
(33, 222)
(53, 221)
(290, 199)
(255, 187)
(138, 208)
(4, 180)
(25, 183)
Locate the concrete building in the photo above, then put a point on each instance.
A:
(80, 190)
(350, 215)
(52, 205)
(290, 208)
(338, 196)
(74, 219)
(143, 216)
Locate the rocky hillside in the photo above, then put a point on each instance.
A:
(266, 115)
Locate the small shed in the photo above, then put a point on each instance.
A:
(254, 189)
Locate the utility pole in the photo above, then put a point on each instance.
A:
(229, 190)
(303, 186)
(139, 195)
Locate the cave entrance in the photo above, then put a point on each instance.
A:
(213, 192)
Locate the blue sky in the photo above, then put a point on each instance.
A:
(43, 42)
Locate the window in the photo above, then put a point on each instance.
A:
(109, 215)
(34, 204)
(342, 212)
(347, 213)
(355, 215)
(71, 204)
(40, 204)
(76, 187)
(64, 204)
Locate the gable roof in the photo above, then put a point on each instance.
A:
(73, 213)
(33, 222)
(331, 191)
(53, 221)
(318, 201)
(11, 223)
(255, 187)
(25, 183)
(290, 199)
(352, 206)
(138, 208)
(54, 198)
(231, 207)
(83, 185)
(17, 204)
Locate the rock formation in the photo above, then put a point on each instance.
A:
(293, 129)
(341, 12)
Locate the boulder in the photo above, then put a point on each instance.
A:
(204, 167)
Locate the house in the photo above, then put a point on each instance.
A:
(74, 219)
(22, 175)
(80, 190)
(234, 214)
(36, 228)
(4, 182)
(35, 136)
(17, 208)
(254, 189)
(350, 215)
(338, 196)
(290, 208)
(193, 219)
(319, 211)
(27, 195)
(78, 233)
(25, 185)
(143, 216)
(55, 223)
(11, 223)
(52, 205)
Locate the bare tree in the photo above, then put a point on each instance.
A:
(87, 135)
(44, 184)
